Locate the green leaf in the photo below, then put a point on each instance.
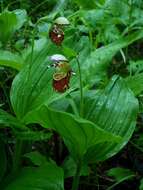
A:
(119, 9)
(96, 64)
(47, 176)
(135, 66)
(69, 167)
(93, 17)
(21, 16)
(68, 52)
(120, 175)
(30, 135)
(7, 120)
(86, 4)
(79, 134)
(43, 28)
(135, 83)
(141, 184)
(9, 59)
(10, 21)
(36, 158)
(114, 110)
(3, 160)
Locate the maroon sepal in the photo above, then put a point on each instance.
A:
(63, 84)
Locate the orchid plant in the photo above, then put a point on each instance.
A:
(53, 99)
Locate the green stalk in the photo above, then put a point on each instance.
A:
(81, 88)
(32, 47)
(76, 178)
(17, 155)
(96, 177)
(2, 6)
(12, 3)
(16, 164)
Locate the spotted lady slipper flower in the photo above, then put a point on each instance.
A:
(62, 74)
(56, 33)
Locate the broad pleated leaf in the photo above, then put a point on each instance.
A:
(20, 131)
(36, 158)
(79, 134)
(7, 22)
(30, 135)
(114, 110)
(10, 21)
(46, 177)
(7, 120)
(135, 83)
(69, 167)
(120, 174)
(9, 59)
(29, 88)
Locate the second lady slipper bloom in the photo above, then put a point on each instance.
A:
(56, 33)
(61, 81)
(62, 74)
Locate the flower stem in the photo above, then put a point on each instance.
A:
(32, 47)
(17, 155)
(16, 164)
(2, 7)
(76, 178)
(81, 88)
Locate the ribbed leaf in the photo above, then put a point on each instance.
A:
(33, 135)
(7, 22)
(120, 175)
(79, 134)
(69, 167)
(36, 158)
(135, 83)
(9, 59)
(115, 111)
(48, 176)
(7, 120)
(10, 22)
